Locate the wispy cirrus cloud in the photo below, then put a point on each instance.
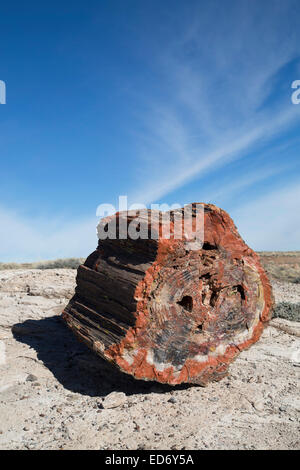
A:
(188, 163)
(224, 71)
(219, 70)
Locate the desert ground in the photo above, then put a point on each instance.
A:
(56, 394)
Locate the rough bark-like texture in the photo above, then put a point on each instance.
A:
(161, 311)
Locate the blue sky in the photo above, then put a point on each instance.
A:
(170, 102)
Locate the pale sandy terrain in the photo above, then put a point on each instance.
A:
(55, 394)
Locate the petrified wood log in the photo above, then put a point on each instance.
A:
(161, 311)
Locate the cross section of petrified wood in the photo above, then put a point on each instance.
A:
(162, 311)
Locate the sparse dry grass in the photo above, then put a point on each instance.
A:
(282, 266)
(68, 263)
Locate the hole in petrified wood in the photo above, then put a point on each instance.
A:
(240, 289)
(213, 298)
(208, 246)
(205, 276)
(186, 302)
